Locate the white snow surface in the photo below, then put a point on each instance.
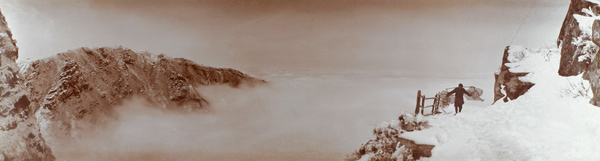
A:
(366, 157)
(583, 41)
(552, 121)
(585, 22)
(24, 64)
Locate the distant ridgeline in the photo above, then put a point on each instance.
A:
(50, 101)
(78, 90)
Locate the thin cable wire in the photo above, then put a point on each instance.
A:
(519, 29)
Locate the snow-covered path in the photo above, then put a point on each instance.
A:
(552, 121)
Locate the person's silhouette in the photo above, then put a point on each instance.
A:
(458, 97)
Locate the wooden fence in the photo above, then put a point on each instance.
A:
(421, 103)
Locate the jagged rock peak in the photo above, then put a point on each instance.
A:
(8, 46)
(78, 89)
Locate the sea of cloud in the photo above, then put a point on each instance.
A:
(293, 117)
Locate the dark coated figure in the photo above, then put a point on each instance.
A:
(458, 97)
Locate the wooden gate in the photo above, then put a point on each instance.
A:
(421, 103)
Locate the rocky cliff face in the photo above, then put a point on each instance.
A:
(580, 37)
(592, 73)
(77, 90)
(508, 86)
(20, 137)
(577, 50)
(579, 40)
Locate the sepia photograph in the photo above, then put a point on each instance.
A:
(299, 80)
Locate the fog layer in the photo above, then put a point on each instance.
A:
(294, 117)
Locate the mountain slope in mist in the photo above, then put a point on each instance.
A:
(76, 91)
(20, 137)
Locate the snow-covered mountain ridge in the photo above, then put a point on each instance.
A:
(77, 90)
(52, 101)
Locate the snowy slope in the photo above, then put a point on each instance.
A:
(552, 121)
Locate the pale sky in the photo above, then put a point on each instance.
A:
(435, 38)
(430, 44)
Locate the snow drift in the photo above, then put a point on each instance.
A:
(548, 117)
(552, 121)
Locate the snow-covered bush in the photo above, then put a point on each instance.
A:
(585, 46)
(387, 145)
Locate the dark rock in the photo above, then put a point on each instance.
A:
(508, 82)
(21, 107)
(570, 65)
(596, 32)
(592, 74)
(417, 150)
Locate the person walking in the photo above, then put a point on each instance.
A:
(458, 97)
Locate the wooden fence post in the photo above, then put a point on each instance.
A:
(418, 101)
(434, 107)
(422, 104)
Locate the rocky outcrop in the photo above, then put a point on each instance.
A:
(592, 74)
(77, 90)
(576, 54)
(580, 37)
(388, 145)
(20, 137)
(593, 77)
(508, 86)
